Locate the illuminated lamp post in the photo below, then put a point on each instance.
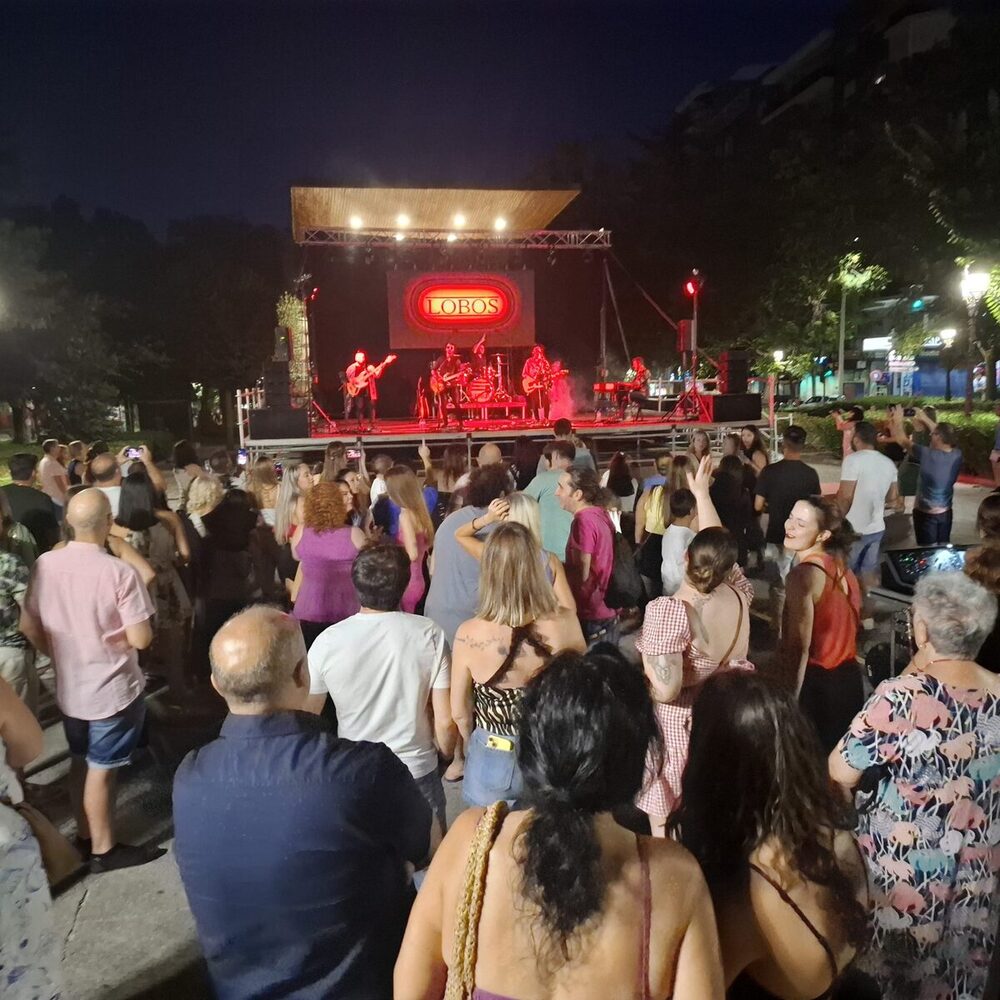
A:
(947, 339)
(974, 286)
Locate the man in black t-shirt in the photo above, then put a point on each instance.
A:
(779, 487)
(30, 506)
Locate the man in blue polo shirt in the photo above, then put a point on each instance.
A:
(292, 844)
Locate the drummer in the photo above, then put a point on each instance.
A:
(479, 364)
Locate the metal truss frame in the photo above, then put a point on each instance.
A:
(542, 239)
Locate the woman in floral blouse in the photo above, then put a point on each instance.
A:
(923, 759)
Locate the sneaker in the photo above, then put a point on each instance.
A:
(124, 856)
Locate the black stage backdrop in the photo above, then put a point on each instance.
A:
(351, 312)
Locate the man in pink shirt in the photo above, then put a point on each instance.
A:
(90, 612)
(52, 475)
(590, 553)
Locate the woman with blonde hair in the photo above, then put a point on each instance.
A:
(334, 462)
(699, 447)
(262, 485)
(519, 508)
(518, 626)
(325, 548)
(290, 504)
(416, 532)
(204, 495)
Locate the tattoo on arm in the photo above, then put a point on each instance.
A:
(663, 670)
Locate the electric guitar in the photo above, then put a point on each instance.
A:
(358, 383)
(441, 382)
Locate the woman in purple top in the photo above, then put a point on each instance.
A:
(415, 533)
(325, 548)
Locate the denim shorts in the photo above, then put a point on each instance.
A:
(107, 743)
(433, 792)
(866, 553)
(491, 771)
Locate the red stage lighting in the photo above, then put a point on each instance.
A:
(691, 287)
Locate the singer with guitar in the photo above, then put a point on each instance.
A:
(361, 386)
(536, 380)
(447, 378)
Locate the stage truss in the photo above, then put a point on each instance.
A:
(541, 239)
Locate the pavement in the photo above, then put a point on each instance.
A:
(130, 934)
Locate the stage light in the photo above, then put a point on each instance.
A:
(402, 220)
(690, 288)
(459, 220)
(355, 222)
(500, 224)
(452, 237)
(400, 237)
(552, 258)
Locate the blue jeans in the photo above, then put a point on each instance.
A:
(605, 630)
(433, 792)
(932, 529)
(491, 770)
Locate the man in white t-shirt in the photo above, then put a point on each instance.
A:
(676, 539)
(868, 482)
(384, 668)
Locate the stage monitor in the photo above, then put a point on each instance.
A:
(431, 309)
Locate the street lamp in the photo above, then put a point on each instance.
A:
(779, 356)
(974, 286)
(947, 340)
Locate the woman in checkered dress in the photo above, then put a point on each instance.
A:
(703, 628)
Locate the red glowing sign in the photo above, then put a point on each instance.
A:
(450, 301)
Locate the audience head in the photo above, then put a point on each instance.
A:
(756, 775)
(7, 523)
(664, 463)
(295, 483)
(51, 447)
(682, 504)
(137, 505)
(259, 662)
(680, 466)
(486, 485)
(513, 587)
(751, 440)
(22, 468)
(323, 508)
(730, 465)
(711, 557)
(104, 470)
(731, 445)
(700, 445)
(220, 463)
(349, 498)
(793, 441)
(524, 510)
(945, 436)
(559, 454)
(334, 461)
(620, 476)
(490, 454)
(865, 436)
(988, 518)
(88, 514)
(97, 448)
(953, 612)
(578, 488)
(185, 454)
(262, 475)
(404, 491)
(817, 522)
(77, 450)
(455, 463)
(204, 495)
(562, 428)
(381, 464)
(586, 729)
(380, 574)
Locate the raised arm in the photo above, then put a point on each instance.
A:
(896, 429)
(466, 534)
(430, 477)
(699, 484)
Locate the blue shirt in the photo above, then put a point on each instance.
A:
(938, 472)
(292, 845)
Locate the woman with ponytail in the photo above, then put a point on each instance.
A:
(557, 900)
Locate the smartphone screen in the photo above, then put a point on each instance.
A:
(133, 453)
(352, 453)
(242, 456)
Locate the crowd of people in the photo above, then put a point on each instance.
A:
(660, 815)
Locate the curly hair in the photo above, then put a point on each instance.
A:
(323, 509)
(486, 484)
(755, 759)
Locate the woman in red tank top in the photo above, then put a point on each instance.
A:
(819, 629)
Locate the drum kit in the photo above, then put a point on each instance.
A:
(491, 384)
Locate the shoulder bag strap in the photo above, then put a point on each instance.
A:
(462, 971)
(739, 626)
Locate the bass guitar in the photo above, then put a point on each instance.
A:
(359, 382)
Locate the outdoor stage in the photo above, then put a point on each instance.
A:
(634, 437)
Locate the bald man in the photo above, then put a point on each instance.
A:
(490, 454)
(292, 844)
(91, 613)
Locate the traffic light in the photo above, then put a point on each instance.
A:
(693, 284)
(917, 303)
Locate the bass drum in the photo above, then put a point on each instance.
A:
(480, 389)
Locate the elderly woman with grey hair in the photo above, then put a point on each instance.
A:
(923, 761)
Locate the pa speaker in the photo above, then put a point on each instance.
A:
(278, 422)
(734, 371)
(736, 408)
(277, 391)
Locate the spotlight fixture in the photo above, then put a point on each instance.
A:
(400, 237)
(500, 224)
(356, 222)
(452, 237)
(369, 256)
(459, 220)
(552, 258)
(402, 220)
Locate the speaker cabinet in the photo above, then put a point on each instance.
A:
(278, 422)
(277, 390)
(734, 371)
(736, 408)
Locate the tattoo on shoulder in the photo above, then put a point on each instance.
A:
(475, 643)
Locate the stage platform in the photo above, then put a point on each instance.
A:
(635, 437)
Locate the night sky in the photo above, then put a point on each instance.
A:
(163, 109)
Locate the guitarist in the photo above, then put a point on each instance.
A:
(536, 379)
(361, 371)
(450, 370)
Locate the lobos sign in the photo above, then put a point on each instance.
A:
(436, 302)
